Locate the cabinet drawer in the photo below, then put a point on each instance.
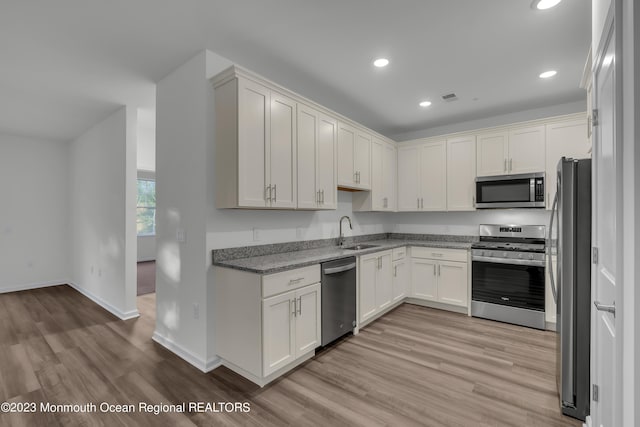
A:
(274, 284)
(439, 253)
(399, 253)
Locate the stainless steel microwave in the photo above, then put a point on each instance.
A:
(510, 191)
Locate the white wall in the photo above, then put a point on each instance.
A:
(464, 223)
(146, 139)
(34, 224)
(103, 200)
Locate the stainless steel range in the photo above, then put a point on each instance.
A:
(508, 274)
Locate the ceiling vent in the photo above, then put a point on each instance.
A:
(450, 97)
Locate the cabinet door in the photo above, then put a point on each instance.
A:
(492, 151)
(389, 177)
(363, 159)
(400, 280)
(377, 175)
(307, 319)
(452, 283)
(326, 164)
(384, 281)
(433, 174)
(461, 173)
(278, 332)
(526, 150)
(253, 143)
(368, 270)
(346, 147)
(282, 152)
(308, 121)
(408, 179)
(569, 139)
(424, 282)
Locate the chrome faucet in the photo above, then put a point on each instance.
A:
(341, 238)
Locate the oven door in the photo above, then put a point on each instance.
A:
(516, 285)
(510, 191)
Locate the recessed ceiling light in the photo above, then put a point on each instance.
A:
(425, 103)
(544, 4)
(381, 62)
(548, 74)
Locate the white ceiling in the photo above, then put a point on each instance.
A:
(67, 64)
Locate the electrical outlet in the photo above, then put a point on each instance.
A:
(256, 234)
(196, 310)
(181, 235)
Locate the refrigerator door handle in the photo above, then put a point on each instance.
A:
(550, 245)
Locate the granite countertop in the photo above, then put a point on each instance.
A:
(274, 263)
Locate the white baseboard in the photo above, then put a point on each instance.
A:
(123, 315)
(33, 286)
(203, 365)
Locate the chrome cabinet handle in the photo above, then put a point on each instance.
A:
(275, 194)
(434, 269)
(505, 165)
(300, 306)
(395, 271)
(473, 201)
(358, 173)
(267, 193)
(322, 199)
(295, 301)
(510, 165)
(294, 281)
(418, 200)
(421, 203)
(318, 197)
(608, 308)
(438, 269)
(436, 254)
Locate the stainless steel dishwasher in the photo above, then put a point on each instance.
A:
(338, 298)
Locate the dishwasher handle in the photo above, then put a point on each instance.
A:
(334, 270)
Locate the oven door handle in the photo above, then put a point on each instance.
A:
(531, 262)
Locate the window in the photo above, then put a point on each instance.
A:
(146, 215)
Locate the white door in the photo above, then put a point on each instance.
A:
(253, 144)
(384, 281)
(307, 319)
(346, 146)
(367, 295)
(492, 153)
(409, 179)
(526, 150)
(461, 173)
(433, 177)
(278, 332)
(389, 176)
(326, 162)
(363, 159)
(308, 194)
(452, 283)
(605, 351)
(400, 280)
(282, 151)
(424, 282)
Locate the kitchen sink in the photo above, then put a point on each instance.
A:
(360, 247)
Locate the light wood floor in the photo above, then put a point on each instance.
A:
(414, 367)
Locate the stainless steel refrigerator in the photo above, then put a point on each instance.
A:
(572, 285)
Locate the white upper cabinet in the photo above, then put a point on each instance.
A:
(382, 196)
(493, 151)
(256, 163)
(526, 149)
(520, 150)
(568, 138)
(461, 173)
(317, 137)
(433, 176)
(409, 178)
(354, 157)
(422, 175)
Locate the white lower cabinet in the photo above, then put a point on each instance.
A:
(266, 324)
(440, 275)
(400, 275)
(376, 284)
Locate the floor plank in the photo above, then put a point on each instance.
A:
(414, 367)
